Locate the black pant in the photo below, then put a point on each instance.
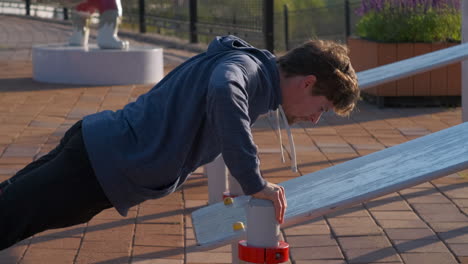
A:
(58, 190)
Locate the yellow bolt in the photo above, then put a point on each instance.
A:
(238, 226)
(228, 201)
(463, 174)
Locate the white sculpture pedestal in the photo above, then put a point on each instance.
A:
(60, 63)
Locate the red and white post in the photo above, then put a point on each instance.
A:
(263, 243)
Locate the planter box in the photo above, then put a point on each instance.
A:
(443, 82)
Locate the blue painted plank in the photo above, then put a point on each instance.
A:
(408, 67)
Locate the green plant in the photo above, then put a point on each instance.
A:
(409, 21)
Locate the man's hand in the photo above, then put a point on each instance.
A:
(274, 193)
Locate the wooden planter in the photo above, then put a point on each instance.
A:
(441, 82)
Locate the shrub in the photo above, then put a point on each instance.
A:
(409, 20)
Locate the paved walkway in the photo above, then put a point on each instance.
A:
(425, 224)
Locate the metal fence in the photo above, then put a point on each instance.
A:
(167, 17)
(243, 18)
(335, 21)
(201, 20)
(46, 9)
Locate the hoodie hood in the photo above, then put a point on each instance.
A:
(226, 43)
(233, 43)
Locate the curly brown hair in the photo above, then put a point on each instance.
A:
(330, 63)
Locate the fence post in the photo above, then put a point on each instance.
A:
(193, 13)
(142, 13)
(464, 63)
(65, 13)
(28, 7)
(347, 20)
(286, 26)
(268, 24)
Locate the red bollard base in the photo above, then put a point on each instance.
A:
(275, 255)
(228, 195)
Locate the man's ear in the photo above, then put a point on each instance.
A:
(309, 81)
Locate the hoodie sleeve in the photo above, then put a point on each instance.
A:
(227, 108)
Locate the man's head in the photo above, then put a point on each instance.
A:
(315, 77)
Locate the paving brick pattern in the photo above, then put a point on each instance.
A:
(424, 224)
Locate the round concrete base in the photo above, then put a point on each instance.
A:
(60, 63)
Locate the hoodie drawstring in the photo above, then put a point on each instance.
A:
(292, 147)
(278, 127)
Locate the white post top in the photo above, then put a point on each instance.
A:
(234, 187)
(262, 228)
(217, 180)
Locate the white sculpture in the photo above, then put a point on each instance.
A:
(110, 15)
(78, 63)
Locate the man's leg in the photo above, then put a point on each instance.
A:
(61, 192)
(49, 156)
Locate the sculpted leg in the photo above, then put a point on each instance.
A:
(108, 26)
(80, 32)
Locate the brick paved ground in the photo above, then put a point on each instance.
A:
(425, 224)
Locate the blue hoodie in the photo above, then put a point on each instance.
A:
(203, 108)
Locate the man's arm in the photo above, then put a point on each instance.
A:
(227, 108)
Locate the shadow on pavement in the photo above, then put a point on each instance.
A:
(369, 257)
(28, 84)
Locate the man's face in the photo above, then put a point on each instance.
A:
(300, 105)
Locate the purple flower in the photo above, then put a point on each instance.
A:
(403, 6)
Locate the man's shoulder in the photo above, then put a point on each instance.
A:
(243, 60)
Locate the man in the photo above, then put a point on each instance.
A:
(203, 108)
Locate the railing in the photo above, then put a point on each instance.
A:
(336, 21)
(260, 22)
(49, 10)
